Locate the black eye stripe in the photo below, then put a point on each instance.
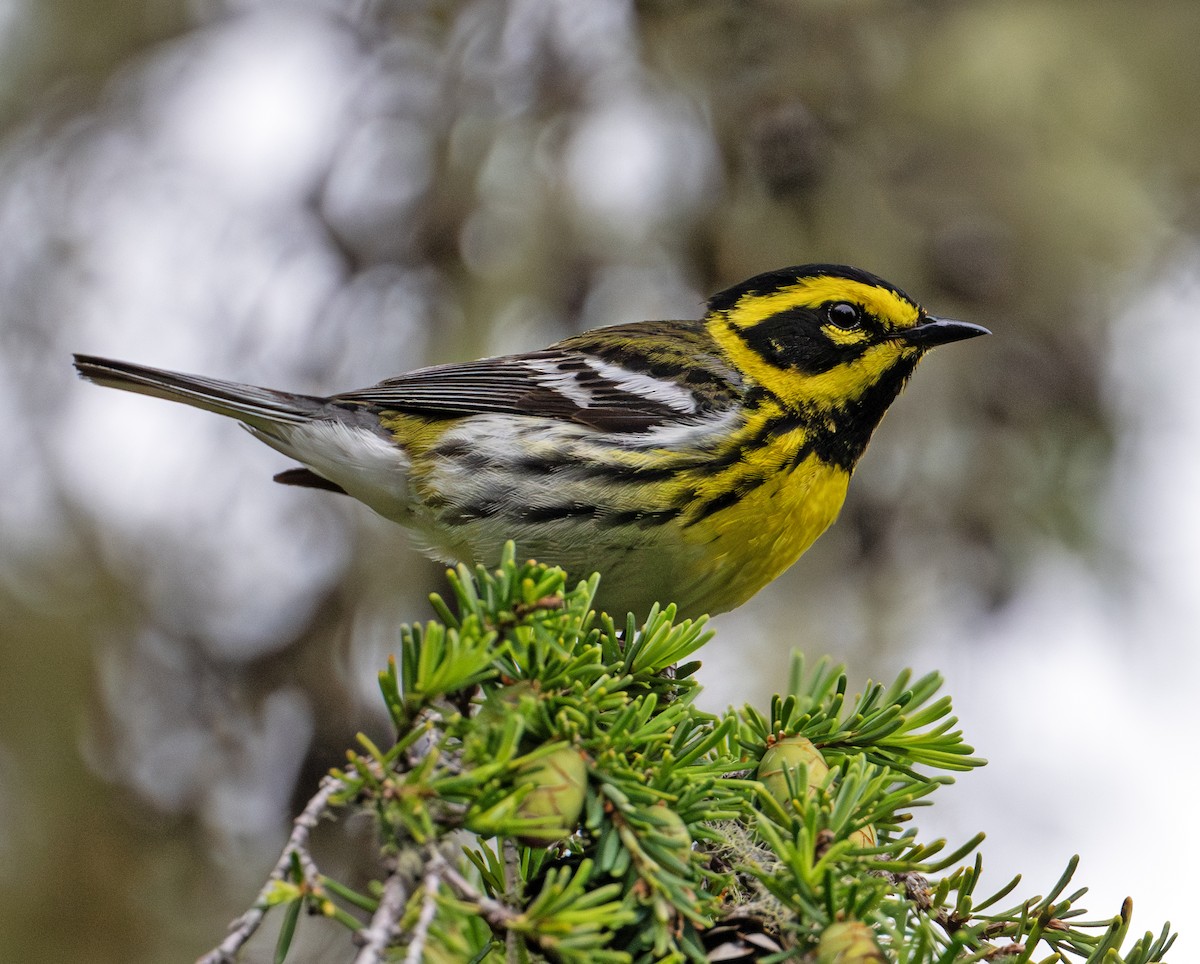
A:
(793, 338)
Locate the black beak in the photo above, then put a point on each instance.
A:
(931, 331)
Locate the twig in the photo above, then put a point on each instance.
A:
(493, 911)
(421, 747)
(431, 883)
(498, 914)
(377, 935)
(511, 873)
(243, 928)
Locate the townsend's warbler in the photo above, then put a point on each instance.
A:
(686, 461)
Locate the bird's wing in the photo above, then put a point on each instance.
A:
(605, 384)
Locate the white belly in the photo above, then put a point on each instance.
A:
(494, 478)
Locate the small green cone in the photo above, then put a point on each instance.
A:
(673, 828)
(864, 837)
(849, 942)
(559, 783)
(786, 755)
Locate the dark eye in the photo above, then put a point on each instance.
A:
(842, 314)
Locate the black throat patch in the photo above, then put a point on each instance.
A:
(840, 436)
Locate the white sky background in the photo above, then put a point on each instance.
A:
(1082, 695)
(1080, 692)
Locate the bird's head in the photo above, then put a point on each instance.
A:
(822, 336)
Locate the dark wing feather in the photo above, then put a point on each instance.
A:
(561, 382)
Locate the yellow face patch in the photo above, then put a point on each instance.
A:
(845, 336)
(845, 383)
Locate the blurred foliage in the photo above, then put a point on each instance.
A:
(65, 48)
(317, 196)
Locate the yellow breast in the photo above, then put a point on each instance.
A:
(754, 540)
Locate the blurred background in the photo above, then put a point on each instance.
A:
(315, 194)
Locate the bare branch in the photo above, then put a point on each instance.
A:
(385, 923)
(244, 927)
(416, 947)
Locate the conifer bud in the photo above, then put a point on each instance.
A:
(864, 836)
(848, 942)
(672, 826)
(559, 783)
(784, 756)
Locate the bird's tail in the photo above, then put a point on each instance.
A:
(258, 407)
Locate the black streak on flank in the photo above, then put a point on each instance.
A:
(778, 424)
(463, 455)
(540, 465)
(728, 498)
(634, 473)
(554, 513)
(713, 506)
(471, 513)
(641, 519)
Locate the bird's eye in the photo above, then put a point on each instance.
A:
(842, 314)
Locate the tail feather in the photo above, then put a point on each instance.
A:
(308, 479)
(248, 403)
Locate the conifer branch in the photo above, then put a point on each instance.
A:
(610, 820)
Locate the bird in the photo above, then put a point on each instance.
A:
(688, 462)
